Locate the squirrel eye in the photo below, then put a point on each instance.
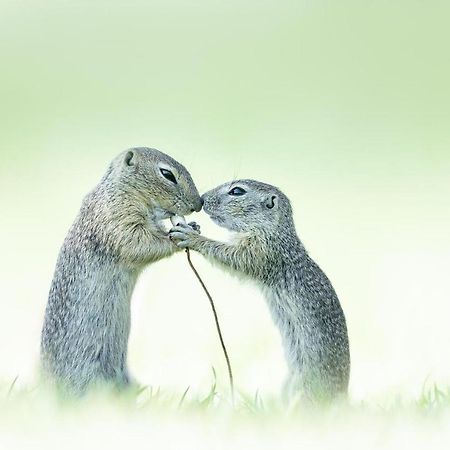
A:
(169, 175)
(237, 191)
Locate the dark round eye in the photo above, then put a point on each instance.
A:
(237, 191)
(169, 175)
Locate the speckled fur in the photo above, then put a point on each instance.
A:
(117, 232)
(301, 299)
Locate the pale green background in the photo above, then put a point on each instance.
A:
(345, 105)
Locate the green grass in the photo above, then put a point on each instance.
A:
(151, 417)
(433, 401)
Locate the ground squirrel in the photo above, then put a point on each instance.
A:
(302, 300)
(117, 232)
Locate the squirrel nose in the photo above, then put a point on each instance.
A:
(199, 207)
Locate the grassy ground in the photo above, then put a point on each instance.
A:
(153, 418)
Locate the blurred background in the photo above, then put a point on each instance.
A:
(343, 105)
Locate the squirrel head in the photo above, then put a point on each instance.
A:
(159, 180)
(248, 206)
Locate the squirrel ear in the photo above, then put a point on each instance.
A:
(130, 158)
(271, 201)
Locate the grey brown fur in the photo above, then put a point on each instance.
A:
(302, 300)
(117, 232)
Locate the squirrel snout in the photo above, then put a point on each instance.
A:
(199, 205)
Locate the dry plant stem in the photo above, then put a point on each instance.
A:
(230, 372)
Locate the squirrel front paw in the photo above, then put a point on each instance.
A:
(185, 236)
(195, 226)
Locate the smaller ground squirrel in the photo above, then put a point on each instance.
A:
(117, 232)
(302, 300)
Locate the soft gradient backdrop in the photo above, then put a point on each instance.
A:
(345, 105)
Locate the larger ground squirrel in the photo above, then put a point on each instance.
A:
(302, 300)
(117, 232)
